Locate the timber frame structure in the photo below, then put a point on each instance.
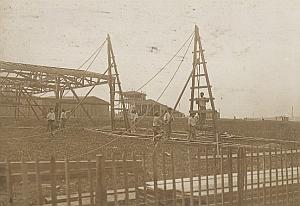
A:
(26, 80)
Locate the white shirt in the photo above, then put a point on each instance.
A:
(63, 115)
(192, 121)
(156, 121)
(168, 117)
(134, 116)
(202, 101)
(51, 116)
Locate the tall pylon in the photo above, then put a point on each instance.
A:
(201, 83)
(117, 103)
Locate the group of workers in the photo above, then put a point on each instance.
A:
(51, 120)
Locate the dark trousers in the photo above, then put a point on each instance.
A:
(50, 125)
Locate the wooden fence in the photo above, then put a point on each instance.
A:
(191, 175)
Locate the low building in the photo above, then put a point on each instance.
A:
(144, 106)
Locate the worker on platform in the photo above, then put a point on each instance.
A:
(192, 126)
(157, 122)
(63, 119)
(51, 120)
(202, 106)
(168, 119)
(134, 118)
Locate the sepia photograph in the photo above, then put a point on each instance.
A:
(149, 103)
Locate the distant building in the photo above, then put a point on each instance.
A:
(9, 107)
(144, 106)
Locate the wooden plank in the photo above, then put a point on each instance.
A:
(9, 183)
(67, 180)
(154, 168)
(191, 178)
(115, 178)
(199, 176)
(53, 181)
(38, 183)
(125, 171)
(101, 197)
(90, 178)
(25, 183)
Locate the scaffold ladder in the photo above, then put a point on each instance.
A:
(117, 103)
(201, 83)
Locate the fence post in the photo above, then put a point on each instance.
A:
(9, 182)
(67, 179)
(164, 176)
(154, 168)
(114, 174)
(25, 185)
(230, 179)
(90, 177)
(101, 199)
(173, 176)
(144, 178)
(191, 178)
(199, 176)
(38, 182)
(207, 172)
(136, 178)
(240, 177)
(222, 175)
(53, 181)
(125, 172)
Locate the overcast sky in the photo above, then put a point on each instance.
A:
(252, 47)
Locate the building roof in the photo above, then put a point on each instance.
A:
(88, 100)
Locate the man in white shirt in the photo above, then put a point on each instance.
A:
(134, 117)
(192, 126)
(168, 119)
(63, 119)
(51, 120)
(202, 106)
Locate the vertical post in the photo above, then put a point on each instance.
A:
(67, 179)
(101, 199)
(282, 173)
(38, 182)
(144, 178)
(292, 173)
(245, 175)
(207, 172)
(191, 178)
(216, 149)
(53, 181)
(240, 177)
(125, 171)
(199, 177)
(136, 178)
(276, 169)
(230, 179)
(222, 176)
(90, 177)
(182, 192)
(9, 182)
(164, 177)
(258, 174)
(25, 188)
(270, 173)
(252, 182)
(154, 168)
(79, 192)
(173, 177)
(114, 173)
(264, 176)
(287, 176)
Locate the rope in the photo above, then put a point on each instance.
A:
(165, 88)
(157, 73)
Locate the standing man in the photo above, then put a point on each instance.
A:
(202, 106)
(134, 117)
(63, 119)
(168, 119)
(51, 120)
(192, 126)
